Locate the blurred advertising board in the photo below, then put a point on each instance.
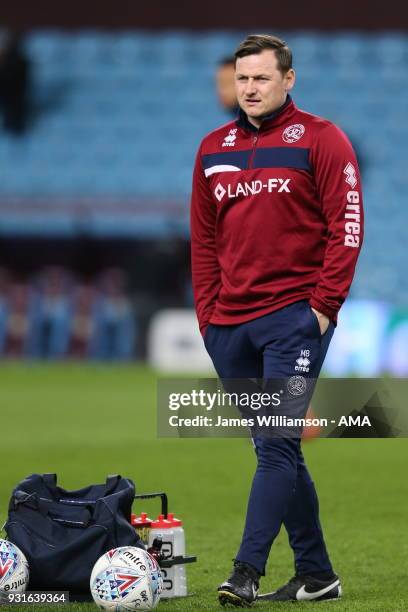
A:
(371, 339)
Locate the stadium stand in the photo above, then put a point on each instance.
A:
(54, 315)
(119, 118)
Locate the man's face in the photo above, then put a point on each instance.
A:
(261, 87)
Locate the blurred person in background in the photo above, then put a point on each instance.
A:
(19, 321)
(83, 321)
(225, 85)
(115, 330)
(4, 307)
(14, 83)
(52, 315)
(276, 230)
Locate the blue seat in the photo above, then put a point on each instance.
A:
(47, 47)
(391, 49)
(307, 49)
(346, 49)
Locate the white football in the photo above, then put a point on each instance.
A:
(126, 579)
(14, 574)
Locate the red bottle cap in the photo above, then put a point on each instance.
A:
(161, 523)
(174, 522)
(166, 523)
(141, 520)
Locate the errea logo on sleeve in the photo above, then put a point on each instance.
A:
(353, 213)
(351, 177)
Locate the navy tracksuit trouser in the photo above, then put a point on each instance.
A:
(282, 489)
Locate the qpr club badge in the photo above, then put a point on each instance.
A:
(293, 132)
(297, 385)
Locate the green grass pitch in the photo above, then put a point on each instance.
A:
(85, 421)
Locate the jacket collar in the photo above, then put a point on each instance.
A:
(279, 116)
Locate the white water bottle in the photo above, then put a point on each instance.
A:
(171, 531)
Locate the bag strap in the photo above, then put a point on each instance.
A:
(50, 480)
(112, 482)
(22, 497)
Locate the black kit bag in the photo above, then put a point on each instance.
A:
(63, 533)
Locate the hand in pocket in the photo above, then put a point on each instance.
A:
(323, 321)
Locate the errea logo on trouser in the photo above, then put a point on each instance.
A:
(252, 188)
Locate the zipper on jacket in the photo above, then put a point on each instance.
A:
(254, 144)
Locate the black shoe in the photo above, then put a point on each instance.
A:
(306, 588)
(241, 588)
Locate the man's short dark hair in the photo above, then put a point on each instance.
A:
(256, 43)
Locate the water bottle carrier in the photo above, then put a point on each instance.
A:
(168, 556)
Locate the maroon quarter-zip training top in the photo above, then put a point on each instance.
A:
(276, 217)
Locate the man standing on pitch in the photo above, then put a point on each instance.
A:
(276, 229)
